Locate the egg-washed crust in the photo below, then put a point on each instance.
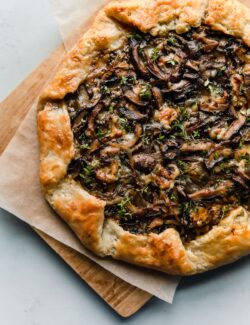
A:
(84, 213)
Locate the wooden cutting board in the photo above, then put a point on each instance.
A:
(124, 298)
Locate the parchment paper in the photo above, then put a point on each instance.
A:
(20, 191)
(70, 14)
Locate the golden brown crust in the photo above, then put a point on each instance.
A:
(224, 243)
(159, 14)
(56, 144)
(104, 34)
(83, 212)
(230, 17)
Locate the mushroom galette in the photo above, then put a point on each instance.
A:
(144, 134)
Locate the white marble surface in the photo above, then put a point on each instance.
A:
(36, 287)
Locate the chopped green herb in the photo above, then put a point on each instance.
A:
(182, 164)
(172, 197)
(101, 133)
(145, 138)
(171, 40)
(111, 109)
(155, 54)
(124, 80)
(216, 155)
(184, 113)
(145, 93)
(105, 90)
(122, 210)
(206, 83)
(88, 170)
(143, 190)
(187, 206)
(183, 167)
(195, 106)
(84, 146)
(179, 129)
(123, 123)
(132, 79)
(241, 143)
(196, 134)
(161, 138)
(200, 46)
(87, 180)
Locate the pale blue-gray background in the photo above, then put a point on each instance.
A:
(36, 287)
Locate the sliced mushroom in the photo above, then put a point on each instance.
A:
(246, 134)
(242, 170)
(217, 156)
(164, 177)
(95, 145)
(75, 166)
(199, 146)
(91, 122)
(240, 180)
(153, 128)
(192, 76)
(129, 140)
(108, 174)
(145, 162)
(156, 222)
(131, 113)
(109, 151)
(196, 171)
(155, 70)
(218, 190)
(115, 129)
(182, 86)
(180, 190)
(193, 48)
(210, 44)
(170, 155)
(193, 158)
(201, 123)
(236, 81)
(235, 127)
(193, 65)
(88, 98)
(134, 98)
(135, 46)
(157, 96)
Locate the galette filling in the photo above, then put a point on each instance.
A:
(162, 131)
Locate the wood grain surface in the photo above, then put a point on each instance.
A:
(124, 298)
